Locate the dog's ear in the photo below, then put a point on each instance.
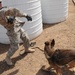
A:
(46, 43)
(52, 43)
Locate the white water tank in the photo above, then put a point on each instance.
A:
(54, 11)
(31, 7)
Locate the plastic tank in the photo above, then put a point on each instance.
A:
(31, 7)
(54, 11)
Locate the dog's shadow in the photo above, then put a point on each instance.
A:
(5, 67)
(64, 72)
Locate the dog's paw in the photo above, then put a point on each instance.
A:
(45, 69)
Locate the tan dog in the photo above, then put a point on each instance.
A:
(59, 57)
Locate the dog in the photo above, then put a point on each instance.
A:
(58, 58)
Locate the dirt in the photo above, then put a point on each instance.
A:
(30, 64)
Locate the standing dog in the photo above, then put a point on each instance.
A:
(59, 57)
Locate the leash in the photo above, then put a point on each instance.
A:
(32, 44)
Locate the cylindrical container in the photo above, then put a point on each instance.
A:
(31, 7)
(54, 11)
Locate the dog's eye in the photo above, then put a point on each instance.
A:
(47, 43)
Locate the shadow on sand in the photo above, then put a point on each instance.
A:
(45, 25)
(5, 67)
(64, 72)
(4, 48)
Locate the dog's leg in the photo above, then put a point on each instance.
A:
(46, 68)
(71, 64)
(58, 69)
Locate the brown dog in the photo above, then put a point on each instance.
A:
(59, 57)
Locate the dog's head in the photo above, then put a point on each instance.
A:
(49, 45)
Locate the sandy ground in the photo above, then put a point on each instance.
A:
(30, 64)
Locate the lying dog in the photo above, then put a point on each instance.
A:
(59, 57)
